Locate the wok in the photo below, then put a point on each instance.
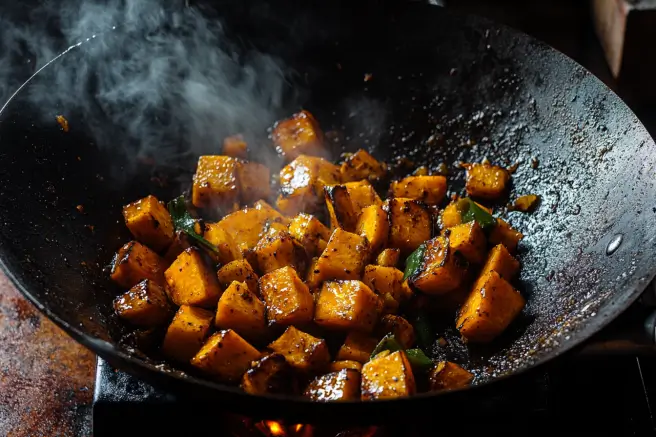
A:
(442, 88)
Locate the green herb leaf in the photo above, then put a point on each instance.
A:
(183, 221)
(424, 331)
(470, 211)
(388, 343)
(418, 360)
(414, 261)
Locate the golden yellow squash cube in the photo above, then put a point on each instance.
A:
(442, 270)
(309, 232)
(343, 385)
(254, 182)
(215, 183)
(449, 376)
(386, 280)
(235, 147)
(241, 310)
(269, 374)
(149, 222)
(238, 270)
(246, 225)
(361, 165)
(502, 262)
(336, 366)
(302, 182)
(388, 257)
(503, 233)
(358, 346)
(347, 305)
(362, 195)
(225, 356)
(145, 304)
(387, 376)
(346, 202)
(191, 281)
(451, 216)
(486, 181)
(410, 224)
(277, 249)
(186, 333)
(288, 300)
(134, 262)
(428, 189)
(374, 226)
(299, 135)
(469, 240)
(228, 248)
(302, 351)
(343, 258)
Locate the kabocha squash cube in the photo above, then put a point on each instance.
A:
(238, 270)
(361, 165)
(469, 240)
(134, 262)
(343, 385)
(451, 216)
(486, 181)
(449, 376)
(302, 182)
(503, 233)
(225, 356)
(358, 346)
(374, 226)
(191, 281)
(272, 214)
(346, 202)
(403, 331)
(269, 374)
(302, 351)
(348, 306)
(362, 195)
(344, 257)
(246, 225)
(309, 232)
(428, 189)
(299, 135)
(386, 280)
(145, 304)
(387, 376)
(235, 147)
(228, 248)
(336, 366)
(254, 181)
(278, 249)
(215, 183)
(149, 222)
(490, 307)
(388, 257)
(288, 300)
(240, 309)
(502, 262)
(442, 271)
(410, 224)
(187, 333)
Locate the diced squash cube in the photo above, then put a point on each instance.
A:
(149, 222)
(343, 385)
(451, 216)
(309, 232)
(442, 271)
(225, 356)
(303, 351)
(428, 189)
(278, 249)
(299, 135)
(469, 240)
(246, 225)
(388, 257)
(302, 182)
(347, 305)
(191, 281)
(272, 214)
(403, 331)
(179, 244)
(134, 262)
(502, 262)
(361, 165)
(312, 278)
(218, 236)
(362, 195)
(490, 307)
(187, 333)
(486, 181)
(410, 224)
(344, 257)
(386, 280)
(254, 181)
(240, 309)
(336, 366)
(358, 346)
(341, 210)
(504, 234)
(387, 376)
(215, 183)
(373, 226)
(269, 374)
(238, 270)
(288, 300)
(449, 376)
(145, 304)
(235, 147)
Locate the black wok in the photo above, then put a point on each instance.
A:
(444, 88)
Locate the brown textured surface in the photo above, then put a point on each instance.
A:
(46, 378)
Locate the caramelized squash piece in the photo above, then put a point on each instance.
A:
(410, 224)
(235, 147)
(428, 189)
(225, 356)
(134, 262)
(469, 240)
(346, 202)
(191, 281)
(362, 195)
(215, 183)
(246, 225)
(387, 376)
(358, 346)
(486, 181)
(361, 165)
(228, 248)
(451, 216)
(347, 305)
(344, 257)
(149, 222)
(336, 366)
(403, 331)
(253, 181)
(449, 376)
(492, 304)
(288, 299)
(299, 135)
(302, 351)
(269, 374)
(312, 278)
(302, 182)
(309, 232)
(145, 304)
(272, 214)
(343, 385)
(442, 271)
(373, 225)
(238, 270)
(388, 257)
(240, 309)
(277, 249)
(186, 333)
(504, 234)
(502, 262)
(387, 280)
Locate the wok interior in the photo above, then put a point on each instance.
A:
(442, 89)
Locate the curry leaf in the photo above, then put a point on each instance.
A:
(418, 360)
(388, 343)
(471, 211)
(414, 262)
(183, 221)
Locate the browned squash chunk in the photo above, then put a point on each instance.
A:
(302, 350)
(358, 346)
(191, 281)
(312, 278)
(361, 165)
(299, 135)
(343, 385)
(272, 214)
(486, 181)
(246, 225)
(336, 366)
(215, 183)
(240, 309)
(449, 376)
(145, 304)
(344, 257)
(347, 305)
(504, 234)
(309, 232)
(228, 248)
(269, 374)
(428, 189)
(253, 181)
(241, 271)
(451, 216)
(502, 262)
(469, 240)
(288, 299)
(386, 280)
(387, 376)
(235, 147)
(302, 182)
(362, 195)
(179, 244)
(442, 271)
(149, 222)
(492, 304)
(225, 356)
(373, 226)
(410, 224)
(388, 258)
(341, 210)
(186, 333)
(277, 249)
(403, 331)
(134, 262)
